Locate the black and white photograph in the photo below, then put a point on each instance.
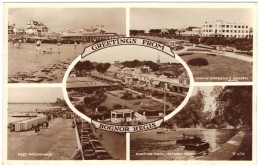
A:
(41, 115)
(208, 39)
(127, 85)
(42, 42)
(214, 125)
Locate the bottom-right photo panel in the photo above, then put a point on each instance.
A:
(215, 124)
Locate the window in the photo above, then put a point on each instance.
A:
(242, 26)
(227, 26)
(238, 26)
(210, 25)
(231, 26)
(231, 31)
(223, 26)
(235, 31)
(242, 31)
(227, 30)
(238, 31)
(246, 26)
(206, 30)
(246, 31)
(226, 35)
(223, 30)
(235, 26)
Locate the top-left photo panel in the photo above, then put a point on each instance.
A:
(43, 41)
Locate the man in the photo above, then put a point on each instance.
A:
(75, 45)
(38, 44)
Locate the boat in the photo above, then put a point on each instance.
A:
(197, 147)
(195, 143)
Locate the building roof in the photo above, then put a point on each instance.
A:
(123, 111)
(113, 68)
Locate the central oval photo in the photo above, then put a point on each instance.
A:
(128, 85)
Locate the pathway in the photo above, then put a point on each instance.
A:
(228, 150)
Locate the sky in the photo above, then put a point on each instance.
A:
(209, 100)
(128, 53)
(145, 19)
(57, 19)
(33, 94)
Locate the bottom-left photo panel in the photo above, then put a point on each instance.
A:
(42, 127)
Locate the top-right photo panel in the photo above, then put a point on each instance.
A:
(216, 43)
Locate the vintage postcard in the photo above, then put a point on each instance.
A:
(128, 83)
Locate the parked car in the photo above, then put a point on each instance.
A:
(88, 155)
(102, 155)
(96, 145)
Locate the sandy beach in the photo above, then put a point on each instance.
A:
(25, 65)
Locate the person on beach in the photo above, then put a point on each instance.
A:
(19, 43)
(59, 47)
(38, 44)
(47, 51)
(75, 45)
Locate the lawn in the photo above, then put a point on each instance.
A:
(220, 68)
(135, 104)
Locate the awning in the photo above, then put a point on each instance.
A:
(156, 82)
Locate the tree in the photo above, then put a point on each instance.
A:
(234, 105)
(86, 65)
(102, 67)
(192, 114)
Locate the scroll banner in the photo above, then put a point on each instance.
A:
(127, 129)
(126, 41)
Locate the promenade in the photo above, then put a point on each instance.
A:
(228, 150)
(58, 142)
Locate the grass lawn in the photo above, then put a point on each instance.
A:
(220, 66)
(133, 104)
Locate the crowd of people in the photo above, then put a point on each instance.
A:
(17, 43)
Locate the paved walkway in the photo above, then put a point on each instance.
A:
(226, 54)
(228, 150)
(58, 142)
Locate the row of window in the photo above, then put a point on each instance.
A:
(230, 31)
(236, 36)
(225, 26)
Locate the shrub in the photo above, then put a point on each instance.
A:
(127, 95)
(211, 54)
(198, 62)
(117, 106)
(185, 53)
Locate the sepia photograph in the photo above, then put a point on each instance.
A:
(40, 115)
(127, 85)
(208, 39)
(214, 125)
(42, 42)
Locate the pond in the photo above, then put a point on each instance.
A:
(153, 146)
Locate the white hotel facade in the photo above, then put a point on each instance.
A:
(220, 28)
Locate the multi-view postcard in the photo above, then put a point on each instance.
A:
(129, 83)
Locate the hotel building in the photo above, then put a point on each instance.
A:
(220, 28)
(36, 28)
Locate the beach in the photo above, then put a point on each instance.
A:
(25, 65)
